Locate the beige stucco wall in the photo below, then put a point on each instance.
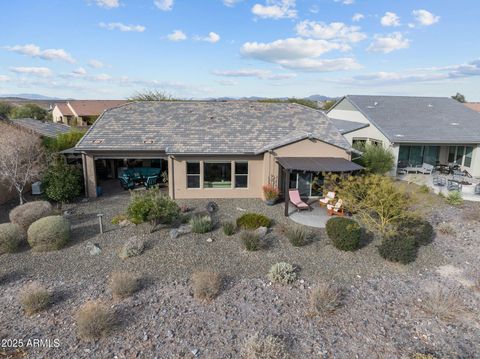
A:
(56, 114)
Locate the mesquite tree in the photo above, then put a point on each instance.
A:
(22, 158)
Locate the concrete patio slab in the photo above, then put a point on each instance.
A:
(317, 217)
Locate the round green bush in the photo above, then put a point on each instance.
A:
(25, 214)
(253, 221)
(10, 237)
(49, 233)
(417, 228)
(344, 233)
(398, 248)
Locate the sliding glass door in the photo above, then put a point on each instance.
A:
(417, 155)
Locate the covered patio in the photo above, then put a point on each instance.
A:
(310, 172)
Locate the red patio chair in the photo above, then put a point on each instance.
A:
(297, 201)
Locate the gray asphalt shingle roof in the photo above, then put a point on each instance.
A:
(48, 129)
(345, 126)
(186, 127)
(420, 119)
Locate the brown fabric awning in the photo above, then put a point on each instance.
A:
(318, 164)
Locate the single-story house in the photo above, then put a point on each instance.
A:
(224, 149)
(475, 106)
(82, 112)
(433, 130)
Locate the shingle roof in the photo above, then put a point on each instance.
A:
(48, 129)
(345, 126)
(230, 127)
(420, 119)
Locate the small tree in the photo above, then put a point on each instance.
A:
(62, 182)
(459, 97)
(378, 202)
(63, 141)
(376, 159)
(151, 95)
(22, 158)
(29, 110)
(5, 109)
(327, 105)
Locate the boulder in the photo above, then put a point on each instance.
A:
(261, 232)
(174, 233)
(93, 249)
(134, 246)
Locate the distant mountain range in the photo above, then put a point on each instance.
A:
(28, 96)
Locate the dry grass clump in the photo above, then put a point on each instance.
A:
(206, 285)
(35, 298)
(446, 229)
(25, 214)
(444, 304)
(264, 347)
(124, 284)
(10, 237)
(325, 299)
(95, 320)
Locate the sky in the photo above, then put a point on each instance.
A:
(108, 49)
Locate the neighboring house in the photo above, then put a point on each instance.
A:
(82, 112)
(475, 106)
(217, 149)
(417, 130)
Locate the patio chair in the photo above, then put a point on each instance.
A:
(329, 198)
(295, 199)
(454, 186)
(151, 181)
(126, 183)
(426, 169)
(336, 210)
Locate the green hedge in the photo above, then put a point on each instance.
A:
(344, 233)
(253, 221)
(417, 228)
(398, 248)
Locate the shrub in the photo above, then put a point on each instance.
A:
(229, 228)
(270, 192)
(251, 240)
(206, 285)
(201, 224)
(283, 273)
(25, 214)
(297, 235)
(132, 247)
(253, 221)
(417, 228)
(324, 299)
(123, 284)
(444, 304)
(344, 233)
(398, 248)
(119, 218)
(10, 237)
(454, 198)
(49, 233)
(264, 347)
(424, 189)
(63, 141)
(35, 298)
(376, 159)
(445, 228)
(62, 182)
(95, 320)
(151, 205)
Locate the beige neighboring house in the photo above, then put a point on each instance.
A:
(475, 106)
(224, 149)
(82, 112)
(417, 130)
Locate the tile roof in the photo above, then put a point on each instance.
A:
(64, 109)
(475, 106)
(47, 129)
(203, 127)
(345, 126)
(89, 107)
(420, 119)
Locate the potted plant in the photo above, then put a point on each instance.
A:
(270, 193)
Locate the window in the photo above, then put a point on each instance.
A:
(358, 144)
(451, 154)
(459, 156)
(376, 143)
(193, 174)
(241, 174)
(467, 162)
(217, 174)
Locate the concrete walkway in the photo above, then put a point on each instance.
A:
(316, 218)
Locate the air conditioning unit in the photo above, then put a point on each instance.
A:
(37, 188)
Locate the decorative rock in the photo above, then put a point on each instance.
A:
(94, 249)
(209, 240)
(184, 229)
(134, 246)
(125, 223)
(174, 233)
(212, 207)
(261, 232)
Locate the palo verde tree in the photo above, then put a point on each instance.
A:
(151, 95)
(459, 97)
(376, 159)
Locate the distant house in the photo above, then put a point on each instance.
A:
(82, 112)
(473, 105)
(433, 130)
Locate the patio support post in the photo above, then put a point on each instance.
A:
(285, 193)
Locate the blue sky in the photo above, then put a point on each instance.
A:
(211, 48)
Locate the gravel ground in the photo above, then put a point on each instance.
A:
(381, 315)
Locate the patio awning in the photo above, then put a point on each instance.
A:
(318, 164)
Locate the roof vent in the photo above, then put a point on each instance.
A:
(430, 105)
(375, 103)
(97, 142)
(399, 135)
(454, 123)
(148, 141)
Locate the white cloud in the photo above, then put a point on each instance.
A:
(389, 43)
(80, 71)
(227, 82)
(4, 78)
(102, 77)
(358, 17)
(257, 73)
(47, 54)
(108, 4)
(390, 19)
(35, 71)
(425, 18)
(275, 9)
(333, 31)
(231, 3)
(322, 65)
(346, 2)
(212, 37)
(177, 35)
(96, 64)
(122, 27)
(164, 5)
